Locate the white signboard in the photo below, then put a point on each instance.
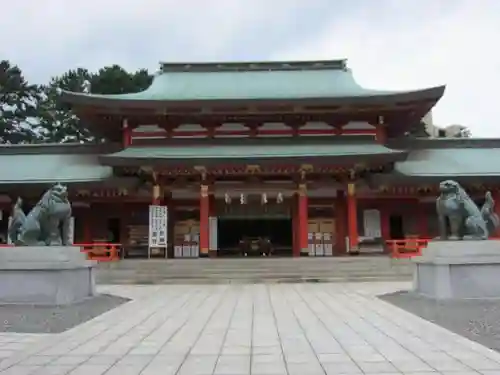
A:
(158, 219)
(212, 224)
(327, 244)
(71, 229)
(310, 243)
(9, 240)
(371, 223)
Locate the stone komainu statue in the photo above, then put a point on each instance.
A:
(465, 219)
(47, 224)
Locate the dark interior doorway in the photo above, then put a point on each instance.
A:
(4, 225)
(396, 230)
(114, 230)
(231, 233)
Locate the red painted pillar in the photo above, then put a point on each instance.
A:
(352, 219)
(127, 134)
(87, 229)
(496, 198)
(385, 228)
(380, 133)
(303, 221)
(340, 223)
(204, 214)
(423, 231)
(295, 226)
(156, 195)
(166, 200)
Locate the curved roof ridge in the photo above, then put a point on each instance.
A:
(218, 66)
(444, 143)
(254, 85)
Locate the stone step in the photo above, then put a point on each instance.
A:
(169, 271)
(245, 280)
(273, 264)
(249, 274)
(199, 272)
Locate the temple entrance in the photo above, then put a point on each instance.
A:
(396, 229)
(113, 227)
(255, 237)
(4, 225)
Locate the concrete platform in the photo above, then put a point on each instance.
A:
(278, 329)
(40, 275)
(458, 269)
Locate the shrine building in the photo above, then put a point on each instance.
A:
(294, 153)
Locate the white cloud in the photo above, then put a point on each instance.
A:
(389, 43)
(408, 45)
(52, 36)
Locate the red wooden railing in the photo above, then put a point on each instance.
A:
(406, 248)
(102, 252)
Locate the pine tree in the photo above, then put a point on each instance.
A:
(116, 80)
(60, 123)
(18, 106)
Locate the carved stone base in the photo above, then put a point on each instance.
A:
(45, 275)
(458, 270)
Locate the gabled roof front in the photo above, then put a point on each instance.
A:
(47, 164)
(250, 151)
(253, 81)
(445, 163)
(439, 159)
(43, 168)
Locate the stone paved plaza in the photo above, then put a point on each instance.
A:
(249, 329)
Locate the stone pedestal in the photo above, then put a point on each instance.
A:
(45, 275)
(458, 270)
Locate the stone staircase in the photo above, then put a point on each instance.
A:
(253, 270)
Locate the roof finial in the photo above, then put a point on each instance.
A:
(86, 86)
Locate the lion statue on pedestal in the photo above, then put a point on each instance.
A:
(466, 220)
(47, 224)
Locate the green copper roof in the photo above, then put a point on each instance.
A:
(254, 81)
(245, 153)
(48, 168)
(451, 162)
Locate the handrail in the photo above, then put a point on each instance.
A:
(101, 251)
(406, 248)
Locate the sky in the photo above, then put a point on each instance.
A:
(389, 44)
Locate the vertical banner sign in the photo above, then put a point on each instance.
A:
(310, 242)
(318, 244)
(371, 223)
(212, 225)
(71, 229)
(327, 244)
(158, 219)
(9, 240)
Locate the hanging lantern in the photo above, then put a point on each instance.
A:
(243, 199)
(227, 198)
(263, 198)
(279, 198)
